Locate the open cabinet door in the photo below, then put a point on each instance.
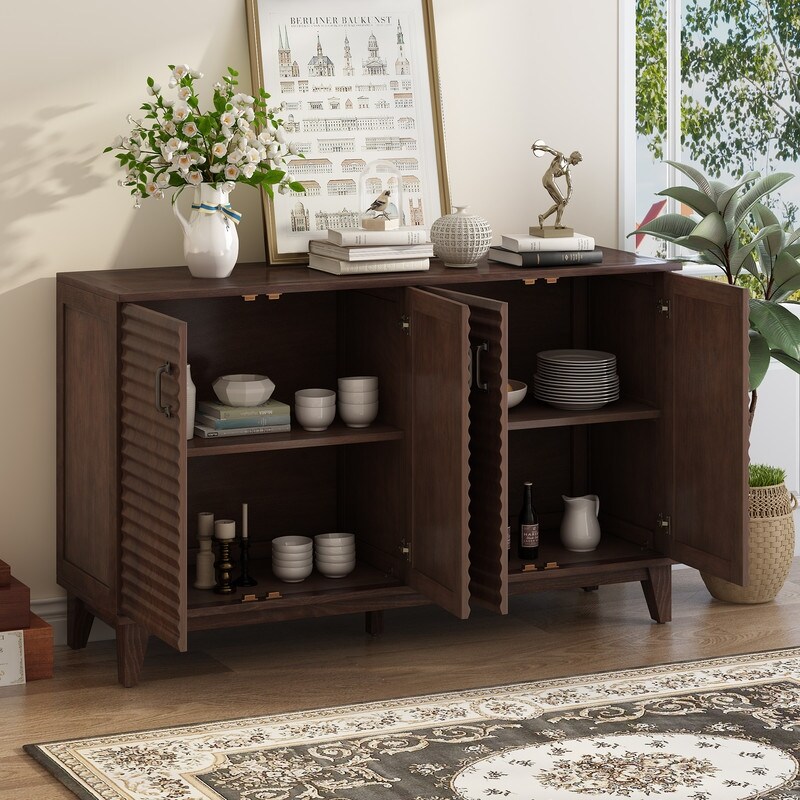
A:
(153, 571)
(488, 451)
(439, 454)
(705, 424)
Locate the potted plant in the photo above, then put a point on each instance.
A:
(737, 233)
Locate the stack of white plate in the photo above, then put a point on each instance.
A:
(576, 380)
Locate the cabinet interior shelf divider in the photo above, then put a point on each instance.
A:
(532, 414)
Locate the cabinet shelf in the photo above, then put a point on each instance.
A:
(336, 434)
(533, 414)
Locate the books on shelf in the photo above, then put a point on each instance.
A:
(338, 267)
(263, 421)
(211, 433)
(546, 259)
(523, 243)
(358, 237)
(370, 253)
(212, 408)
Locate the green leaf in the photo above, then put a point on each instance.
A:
(702, 182)
(668, 226)
(740, 256)
(108, 149)
(766, 219)
(697, 201)
(778, 325)
(296, 186)
(786, 360)
(711, 228)
(272, 176)
(233, 72)
(759, 359)
(785, 277)
(268, 189)
(150, 82)
(204, 125)
(759, 189)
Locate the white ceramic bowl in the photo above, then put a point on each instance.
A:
(277, 562)
(315, 398)
(314, 419)
(291, 574)
(335, 570)
(243, 389)
(335, 538)
(358, 383)
(516, 392)
(359, 397)
(291, 556)
(298, 544)
(327, 558)
(357, 416)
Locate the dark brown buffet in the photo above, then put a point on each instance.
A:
(425, 488)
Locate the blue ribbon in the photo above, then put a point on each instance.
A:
(205, 208)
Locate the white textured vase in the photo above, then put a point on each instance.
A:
(461, 239)
(210, 241)
(191, 402)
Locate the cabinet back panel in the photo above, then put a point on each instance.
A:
(288, 492)
(292, 340)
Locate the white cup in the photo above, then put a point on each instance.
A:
(315, 398)
(358, 383)
(357, 416)
(314, 419)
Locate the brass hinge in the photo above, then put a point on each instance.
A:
(664, 524)
(405, 324)
(248, 298)
(405, 549)
(664, 307)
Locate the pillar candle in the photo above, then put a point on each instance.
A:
(225, 529)
(244, 520)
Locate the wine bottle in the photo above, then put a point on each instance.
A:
(528, 540)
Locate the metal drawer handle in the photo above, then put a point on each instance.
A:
(478, 381)
(165, 410)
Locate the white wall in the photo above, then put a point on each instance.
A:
(512, 72)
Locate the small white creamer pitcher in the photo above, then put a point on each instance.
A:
(580, 530)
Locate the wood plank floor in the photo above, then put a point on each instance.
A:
(324, 662)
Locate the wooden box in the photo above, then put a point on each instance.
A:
(15, 606)
(5, 575)
(38, 639)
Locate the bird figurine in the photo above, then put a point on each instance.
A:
(380, 205)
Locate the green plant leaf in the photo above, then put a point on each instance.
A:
(787, 361)
(785, 277)
(697, 201)
(759, 189)
(766, 219)
(668, 226)
(272, 176)
(296, 186)
(711, 228)
(739, 257)
(700, 180)
(759, 359)
(726, 194)
(777, 325)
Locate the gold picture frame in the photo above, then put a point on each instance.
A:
(348, 109)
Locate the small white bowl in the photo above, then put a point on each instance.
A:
(296, 543)
(335, 538)
(291, 574)
(516, 392)
(357, 416)
(292, 556)
(327, 558)
(279, 562)
(314, 419)
(359, 397)
(335, 570)
(315, 398)
(243, 389)
(358, 383)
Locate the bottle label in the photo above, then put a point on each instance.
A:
(530, 535)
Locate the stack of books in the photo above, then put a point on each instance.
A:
(214, 419)
(357, 251)
(523, 250)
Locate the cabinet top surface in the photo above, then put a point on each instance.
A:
(166, 283)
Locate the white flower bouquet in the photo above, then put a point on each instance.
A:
(239, 140)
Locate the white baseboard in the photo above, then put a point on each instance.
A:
(54, 613)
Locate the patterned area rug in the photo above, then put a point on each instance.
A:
(725, 729)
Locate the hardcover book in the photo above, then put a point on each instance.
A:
(211, 433)
(523, 243)
(212, 408)
(559, 259)
(358, 237)
(264, 421)
(337, 267)
(400, 251)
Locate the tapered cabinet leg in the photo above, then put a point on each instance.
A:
(373, 622)
(131, 647)
(79, 622)
(658, 593)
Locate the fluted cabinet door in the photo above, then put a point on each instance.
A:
(153, 571)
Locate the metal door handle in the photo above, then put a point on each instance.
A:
(164, 368)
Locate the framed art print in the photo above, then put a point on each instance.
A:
(357, 84)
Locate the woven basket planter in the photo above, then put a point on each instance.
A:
(771, 548)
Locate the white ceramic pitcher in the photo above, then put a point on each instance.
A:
(580, 530)
(210, 241)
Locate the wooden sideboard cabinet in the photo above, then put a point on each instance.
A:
(429, 488)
